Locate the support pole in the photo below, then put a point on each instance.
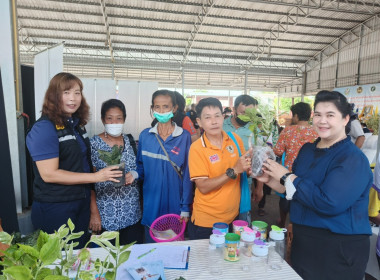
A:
(11, 81)
(183, 82)
(245, 81)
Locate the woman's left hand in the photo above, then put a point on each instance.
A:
(184, 219)
(274, 169)
(129, 178)
(95, 222)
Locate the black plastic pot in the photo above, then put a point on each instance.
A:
(122, 178)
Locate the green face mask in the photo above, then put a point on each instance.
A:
(163, 118)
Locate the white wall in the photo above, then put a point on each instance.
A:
(46, 65)
(135, 95)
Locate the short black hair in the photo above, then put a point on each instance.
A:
(245, 100)
(112, 103)
(208, 102)
(302, 110)
(167, 92)
(338, 99)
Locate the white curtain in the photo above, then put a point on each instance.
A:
(46, 64)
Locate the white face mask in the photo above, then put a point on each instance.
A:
(114, 129)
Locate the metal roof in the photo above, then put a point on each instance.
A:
(213, 43)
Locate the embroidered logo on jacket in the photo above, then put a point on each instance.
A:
(214, 158)
(230, 149)
(175, 150)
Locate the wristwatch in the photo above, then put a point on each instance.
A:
(231, 173)
(283, 178)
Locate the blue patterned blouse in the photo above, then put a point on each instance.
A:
(119, 207)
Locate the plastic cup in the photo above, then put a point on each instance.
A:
(261, 227)
(238, 226)
(222, 227)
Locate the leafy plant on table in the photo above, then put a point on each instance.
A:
(113, 157)
(52, 257)
(261, 121)
(373, 123)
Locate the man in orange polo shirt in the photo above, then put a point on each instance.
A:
(215, 166)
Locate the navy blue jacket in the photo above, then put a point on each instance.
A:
(332, 188)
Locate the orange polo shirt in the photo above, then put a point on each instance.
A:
(208, 161)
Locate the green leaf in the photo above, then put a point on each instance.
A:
(244, 118)
(75, 235)
(5, 238)
(29, 250)
(18, 272)
(125, 247)
(110, 275)
(113, 254)
(84, 255)
(57, 277)
(7, 262)
(124, 257)
(43, 238)
(86, 275)
(98, 265)
(63, 233)
(29, 260)
(62, 227)
(108, 235)
(71, 225)
(44, 272)
(50, 251)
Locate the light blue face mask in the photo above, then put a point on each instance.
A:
(163, 118)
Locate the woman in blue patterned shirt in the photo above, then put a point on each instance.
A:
(116, 208)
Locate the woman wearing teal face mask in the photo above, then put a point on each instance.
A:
(162, 164)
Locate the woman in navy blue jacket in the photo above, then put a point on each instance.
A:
(329, 189)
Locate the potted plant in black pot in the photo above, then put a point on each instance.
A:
(113, 158)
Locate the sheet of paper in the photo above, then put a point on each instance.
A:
(172, 256)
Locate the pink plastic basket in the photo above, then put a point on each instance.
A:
(169, 221)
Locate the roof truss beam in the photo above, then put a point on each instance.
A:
(345, 6)
(28, 18)
(174, 21)
(109, 41)
(206, 7)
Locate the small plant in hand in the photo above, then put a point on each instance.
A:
(52, 257)
(261, 122)
(114, 158)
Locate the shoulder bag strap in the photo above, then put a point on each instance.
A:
(234, 139)
(172, 163)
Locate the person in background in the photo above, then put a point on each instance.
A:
(115, 208)
(193, 116)
(374, 205)
(60, 149)
(227, 112)
(181, 119)
(290, 142)
(329, 192)
(241, 128)
(215, 167)
(162, 164)
(356, 131)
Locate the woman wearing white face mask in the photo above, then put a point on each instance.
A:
(116, 208)
(162, 163)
